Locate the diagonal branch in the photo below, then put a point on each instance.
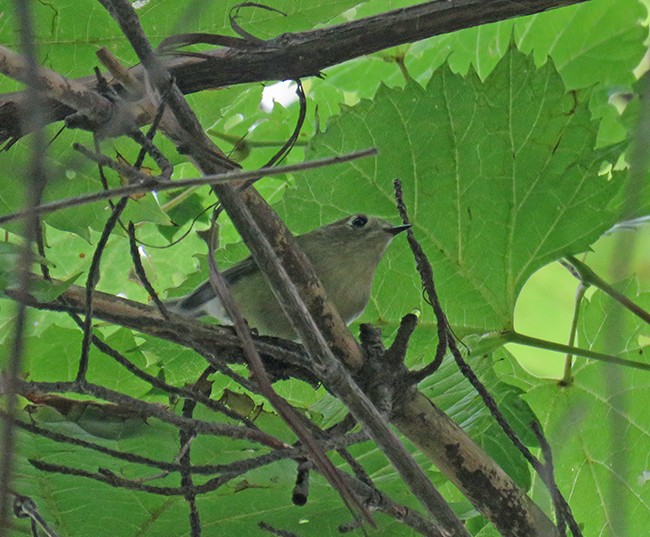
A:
(319, 326)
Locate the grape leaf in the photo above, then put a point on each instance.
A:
(500, 177)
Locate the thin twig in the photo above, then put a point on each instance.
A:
(141, 273)
(114, 480)
(161, 385)
(234, 468)
(153, 186)
(153, 410)
(562, 508)
(133, 174)
(300, 121)
(91, 282)
(148, 147)
(426, 276)
(275, 531)
(489, 401)
(185, 438)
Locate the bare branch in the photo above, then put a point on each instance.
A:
(471, 470)
(207, 340)
(304, 54)
(152, 410)
(149, 184)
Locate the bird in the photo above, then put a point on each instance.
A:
(344, 255)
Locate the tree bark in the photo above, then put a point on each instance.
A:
(466, 465)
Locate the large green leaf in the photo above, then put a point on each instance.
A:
(610, 47)
(500, 178)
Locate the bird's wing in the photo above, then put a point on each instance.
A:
(193, 304)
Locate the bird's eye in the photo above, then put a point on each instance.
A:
(358, 221)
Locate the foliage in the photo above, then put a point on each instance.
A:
(511, 158)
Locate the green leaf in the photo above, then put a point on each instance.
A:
(596, 425)
(500, 178)
(44, 291)
(598, 42)
(10, 258)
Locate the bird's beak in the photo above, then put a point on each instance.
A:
(398, 229)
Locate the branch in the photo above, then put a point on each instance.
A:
(151, 185)
(151, 410)
(207, 340)
(74, 94)
(470, 469)
(303, 54)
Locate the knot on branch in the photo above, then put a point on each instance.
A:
(384, 376)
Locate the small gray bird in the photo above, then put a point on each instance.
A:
(344, 254)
